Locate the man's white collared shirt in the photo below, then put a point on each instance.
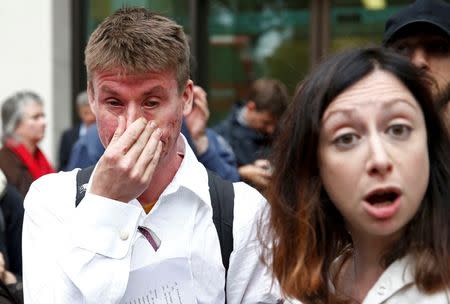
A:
(85, 254)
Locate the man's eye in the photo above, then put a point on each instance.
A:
(401, 132)
(403, 49)
(346, 141)
(150, 103)
(113, 103)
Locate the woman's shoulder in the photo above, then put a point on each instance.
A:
(4, 151)
(8, 157)
(396, 285)
(12, 166)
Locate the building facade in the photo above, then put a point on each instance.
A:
(233, 42)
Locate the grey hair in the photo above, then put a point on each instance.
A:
(13, 111)
(82, 99)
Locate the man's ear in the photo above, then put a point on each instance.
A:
(91, 98)
(188, 97)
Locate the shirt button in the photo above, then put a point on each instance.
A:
(381, 290)
(124, 235)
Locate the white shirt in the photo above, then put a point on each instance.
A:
(396, 286)
(85, 254)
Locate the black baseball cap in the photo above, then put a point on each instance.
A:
(430, 12)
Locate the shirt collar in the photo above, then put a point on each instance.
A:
(398, 275)
(191, 175)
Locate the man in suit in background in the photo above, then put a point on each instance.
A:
(70, 136)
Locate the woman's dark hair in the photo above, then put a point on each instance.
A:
(306, 233)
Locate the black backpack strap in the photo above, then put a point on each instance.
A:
(83, 176)
(222, 202)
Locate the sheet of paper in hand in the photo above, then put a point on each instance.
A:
(167, 282)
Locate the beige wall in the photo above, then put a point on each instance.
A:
(35, 55)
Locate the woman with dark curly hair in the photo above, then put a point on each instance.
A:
(360, 198)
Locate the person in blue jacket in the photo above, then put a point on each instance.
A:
(211, 149)
(87, 150)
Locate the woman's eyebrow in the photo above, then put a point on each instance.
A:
(346, 112)
(350, 112)
(393, 102)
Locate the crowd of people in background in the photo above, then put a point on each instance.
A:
(339, 194)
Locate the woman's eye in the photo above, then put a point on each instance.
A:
(399, 131)
(346, 141)
(38, 116)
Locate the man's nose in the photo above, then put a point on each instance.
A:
(379, 161)
(133, 113)
(419, 58)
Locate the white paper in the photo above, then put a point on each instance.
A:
(167, 282)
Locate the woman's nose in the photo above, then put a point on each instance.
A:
(379, 161)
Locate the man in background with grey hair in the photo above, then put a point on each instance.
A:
(71, 135)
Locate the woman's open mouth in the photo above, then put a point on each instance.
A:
(382, 198)
(382, 203)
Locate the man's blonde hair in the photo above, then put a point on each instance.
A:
(136, 41)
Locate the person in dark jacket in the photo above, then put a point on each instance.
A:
(249, 128)
(86, 151)
(71, 135)
(11, 218)
(211, 149)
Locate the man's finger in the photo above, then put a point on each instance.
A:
(119, 130)
(131, 135)
(137, 148)
(148, 153)
(154, 162)
(204, 108)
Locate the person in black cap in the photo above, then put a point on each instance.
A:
(421, 31)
